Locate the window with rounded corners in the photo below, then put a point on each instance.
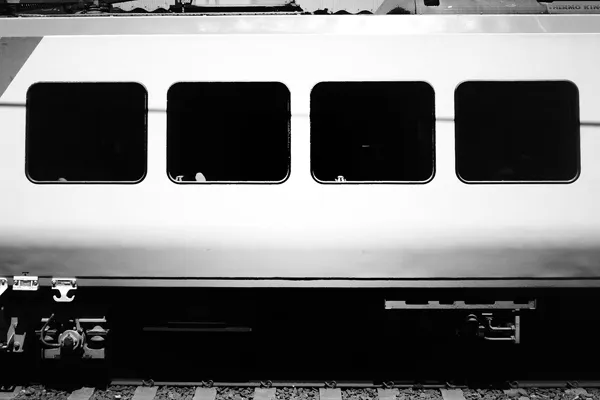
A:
(86, 132)
(228, 132)
(517, 132)
(372, 132)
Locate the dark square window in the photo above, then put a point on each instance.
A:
(228, 132)
(372, 132)
(517, 131)
(86, 132)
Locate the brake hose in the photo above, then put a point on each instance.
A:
(55, 345)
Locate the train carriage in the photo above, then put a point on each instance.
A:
(347, 151)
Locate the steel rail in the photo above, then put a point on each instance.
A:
(561, 384)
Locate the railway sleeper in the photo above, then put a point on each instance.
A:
(201, 393)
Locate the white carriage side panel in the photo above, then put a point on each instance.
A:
(301, 228)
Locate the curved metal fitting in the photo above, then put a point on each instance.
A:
(64, 286)
(331, 384)
(70, 341)
(388, 385)
(266, 384)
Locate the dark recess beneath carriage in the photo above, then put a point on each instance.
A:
(517, 131)
(372, 131)
(227, 334)
(86, 132)
(229, 131)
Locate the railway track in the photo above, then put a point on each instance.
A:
(550, 390)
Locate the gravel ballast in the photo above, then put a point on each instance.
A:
(290, 393)
(114, 393)
(359, 394)
(175, 393)
(242, 393)
(42, 393)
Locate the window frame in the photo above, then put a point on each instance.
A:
(28, 135)
(433, 138)
(201, 183)
(577, 104)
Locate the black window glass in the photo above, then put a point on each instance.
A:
(372, 132)
(517, 131)
(228, 132)
(86, 132)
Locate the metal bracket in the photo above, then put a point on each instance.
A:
(479, 324)
(510, 333)
(88, 338)
(14, 342)
(460, 305)
(340, 179)
(64, 285)
(3, 285)
(26, 283)
(482, 327)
